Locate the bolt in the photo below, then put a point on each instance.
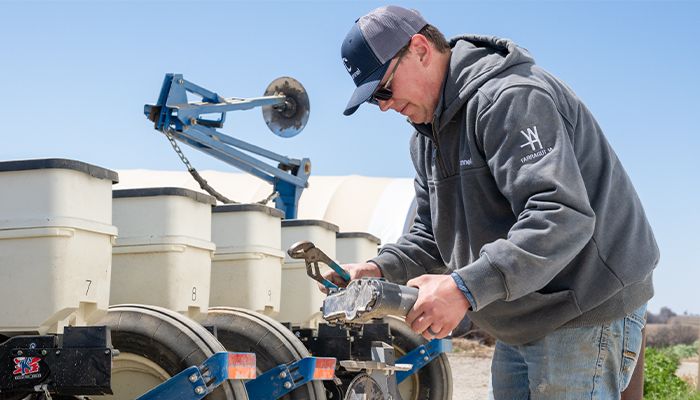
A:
(19, 352)
(180, 81)
(199, 390)
(288, 385)
(426, 358)
(43, 352)
(58, 352)
(107, 352)
(193, 378)
(283, 375)
(422, 351)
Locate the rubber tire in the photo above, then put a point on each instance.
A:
(244, 330)
(435, 379)
(170, 340)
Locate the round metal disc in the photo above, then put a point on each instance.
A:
(364, 387)
(288, 119)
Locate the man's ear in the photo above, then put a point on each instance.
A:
(420, 46)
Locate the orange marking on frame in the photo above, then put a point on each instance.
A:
(241, 366)
(325, 368)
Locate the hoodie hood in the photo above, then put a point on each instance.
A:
(475, 59)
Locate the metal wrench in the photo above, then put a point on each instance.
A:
(312, 255)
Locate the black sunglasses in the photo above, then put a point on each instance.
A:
(384, 93)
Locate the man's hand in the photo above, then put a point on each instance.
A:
(356, 271)
(439, 308)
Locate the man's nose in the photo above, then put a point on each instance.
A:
(385, 105)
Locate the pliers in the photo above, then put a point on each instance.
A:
(312, 255)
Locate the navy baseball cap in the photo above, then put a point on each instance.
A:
(371, 44)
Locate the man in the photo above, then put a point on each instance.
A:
(525, 217)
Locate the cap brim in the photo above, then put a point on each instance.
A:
(363, 92)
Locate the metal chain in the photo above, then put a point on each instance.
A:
(197, 177)
(269, 198)
(177, 149)
(203, 182)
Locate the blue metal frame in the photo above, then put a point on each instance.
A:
(281, 380)
(197, 381)
(422, 356)
(186, 123)
(194, 382)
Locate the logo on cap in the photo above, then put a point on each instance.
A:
(349, 68)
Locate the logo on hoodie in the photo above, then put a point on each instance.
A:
(532, 138)
(533, 141)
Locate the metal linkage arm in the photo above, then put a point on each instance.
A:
(286, 114)
(197, 381)
(284, 378)
(422, 356)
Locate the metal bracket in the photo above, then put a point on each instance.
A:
(381, 370)
(422, 356)
(197, 381)
(282, 379)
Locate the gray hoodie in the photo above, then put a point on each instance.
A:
(519, 192)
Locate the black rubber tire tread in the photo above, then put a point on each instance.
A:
(244, 330)
(169, 339)
(299, 347)
(435, 379)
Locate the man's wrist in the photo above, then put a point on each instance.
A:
(379, 270)
(465, 291)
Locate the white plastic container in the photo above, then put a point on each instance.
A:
(163, 254)
(56, 237)
(301, 298)
(247, 265)
(355, 247)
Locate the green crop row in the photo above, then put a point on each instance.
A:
(660, 380)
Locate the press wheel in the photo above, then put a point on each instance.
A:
(155, 344)
(247, 331)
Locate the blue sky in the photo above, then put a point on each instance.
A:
(75, 77)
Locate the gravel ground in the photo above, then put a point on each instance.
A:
(471, 370)
(470, 376)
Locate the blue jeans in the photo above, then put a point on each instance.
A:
(593, 362)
